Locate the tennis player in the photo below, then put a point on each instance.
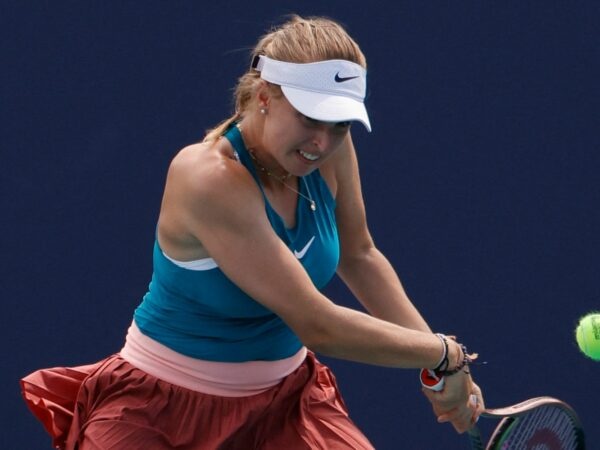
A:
(255, 220)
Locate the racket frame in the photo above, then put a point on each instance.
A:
(508, 414)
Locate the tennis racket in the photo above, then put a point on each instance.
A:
(542, 423)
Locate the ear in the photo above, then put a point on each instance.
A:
(263, 94)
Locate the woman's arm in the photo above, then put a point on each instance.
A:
(363, 268)
(374, 282)
(213, 206)
(214, 201)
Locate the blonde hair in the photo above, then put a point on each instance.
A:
(299, 40)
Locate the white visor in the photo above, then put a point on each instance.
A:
(329, 91)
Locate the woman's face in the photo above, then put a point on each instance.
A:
(296, 143)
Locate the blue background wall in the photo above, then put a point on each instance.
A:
(480, 177)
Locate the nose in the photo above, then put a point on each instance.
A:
(323, 137)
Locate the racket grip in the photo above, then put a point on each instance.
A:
(476, 439)
(431, 381)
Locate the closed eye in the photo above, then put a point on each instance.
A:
(310, 120)
(315, 122)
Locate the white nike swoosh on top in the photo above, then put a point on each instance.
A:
(300, 254)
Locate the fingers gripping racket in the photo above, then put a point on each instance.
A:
(542, 423)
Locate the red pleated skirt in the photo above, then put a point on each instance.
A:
(113, 405)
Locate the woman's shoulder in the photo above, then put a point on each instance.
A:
(204, 161)
(201, 155)
(208, 170)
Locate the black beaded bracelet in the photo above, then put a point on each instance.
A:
(462, 365)
(442, 368)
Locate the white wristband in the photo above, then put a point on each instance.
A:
(431, 381)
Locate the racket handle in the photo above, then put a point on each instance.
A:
(475, 438)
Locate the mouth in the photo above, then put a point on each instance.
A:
(308, 156)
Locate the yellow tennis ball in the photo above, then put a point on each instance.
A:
(588, 335)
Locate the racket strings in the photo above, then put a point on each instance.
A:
(546, 428)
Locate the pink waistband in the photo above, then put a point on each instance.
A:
(209, 377)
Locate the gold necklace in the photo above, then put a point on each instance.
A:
(281, 179)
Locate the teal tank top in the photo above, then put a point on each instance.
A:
(203, 314)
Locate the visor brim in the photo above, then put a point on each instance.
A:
(327, 107)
